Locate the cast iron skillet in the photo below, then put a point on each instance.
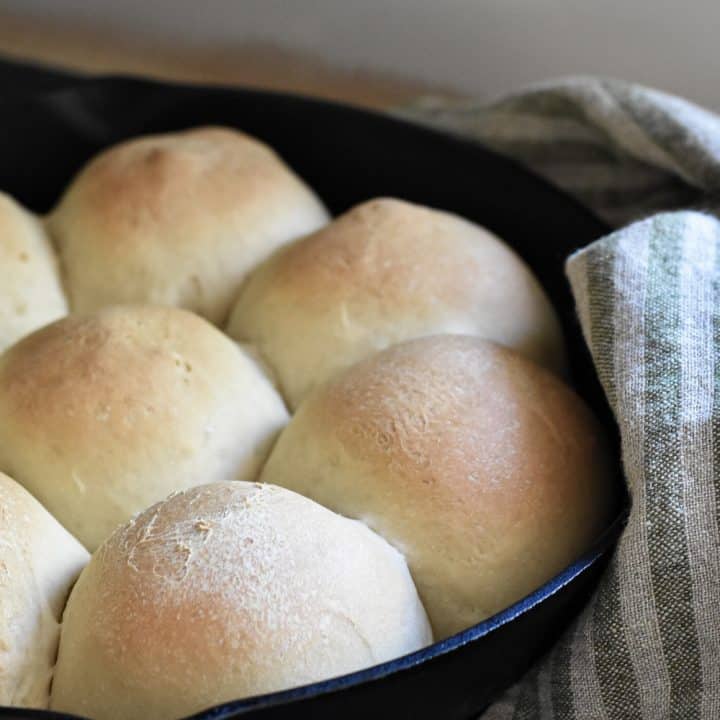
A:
(51, 124)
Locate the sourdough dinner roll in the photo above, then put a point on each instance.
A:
(39, 561)
(385, 272)
(483, 469)
(102, 415)
(229, 590)
(178, 219)
(30, 292)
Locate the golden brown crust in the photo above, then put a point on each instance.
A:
(384, 272)
(30, 291)
(178, 219)
(485, 470)
(354, 256)
(101, 415)
(229, 590)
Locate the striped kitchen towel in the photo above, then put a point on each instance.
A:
(648, 296)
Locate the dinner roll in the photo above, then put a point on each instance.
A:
(225, 591)
(385, 272)
(30, 292)
(102, 415)
(39, 561)
(486, 471)
(178, 219)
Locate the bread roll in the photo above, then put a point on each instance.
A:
(30, 292)
(178, 219)
(39, 561)
(102, 415)
(486, 471)
(385, 272)
(225, 591)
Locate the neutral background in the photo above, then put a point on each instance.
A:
(469, 47)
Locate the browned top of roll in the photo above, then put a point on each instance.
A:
(229, 590)
(387, 271)
(103, 414)
(485, 470)
(178, 219)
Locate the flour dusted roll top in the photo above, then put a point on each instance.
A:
(30, 291)
(102, 415)
(178, 219)
(229, 590)
(384, 272)
(487, 472)
(39, 561)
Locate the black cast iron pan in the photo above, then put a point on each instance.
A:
(51, 123)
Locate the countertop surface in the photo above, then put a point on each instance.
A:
(380, 51)
(83, 48)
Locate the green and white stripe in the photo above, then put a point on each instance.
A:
(697, 452)
(638, 609)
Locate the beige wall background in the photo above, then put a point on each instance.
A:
(478, 47)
